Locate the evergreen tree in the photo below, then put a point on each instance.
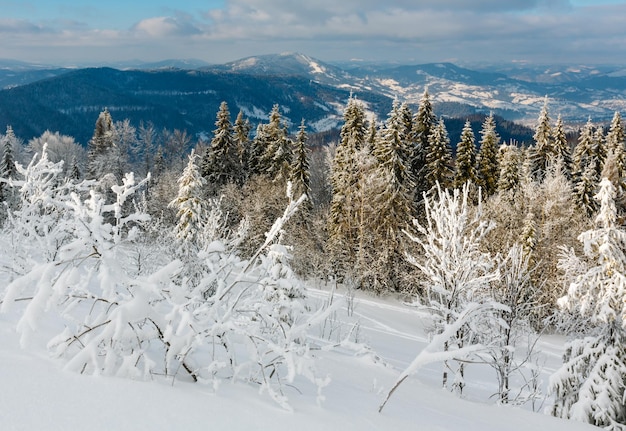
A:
(509, 178)
(242, 141)
(272, 151)
(465, 157)
(394, 204)
(561, 147)
(487, 160)
(7, 164)
(100, 160)
(590, 387)
(587, 165)
(221, 163)
(300, 177)
(542, 151)
(345, 181)
(423, 124)
(616, 143)
(189, 205)
(439, 158)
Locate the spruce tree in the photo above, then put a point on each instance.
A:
(423, 124)
(7, 165)
(221, 163)
(242, 141)
(561, 147)
(277, 149)
(487, 160)
(465, 157)
(509, 178)
(190, 206)
(616, 143)
(393, 205)
(345, 182)
(100, 160)
(542, 151)
(439, 158)
(300, 177)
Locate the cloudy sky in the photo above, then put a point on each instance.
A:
(405, 31)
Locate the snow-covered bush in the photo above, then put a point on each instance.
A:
(236, 320)
(457, 273)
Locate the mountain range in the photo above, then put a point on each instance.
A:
(185, 94)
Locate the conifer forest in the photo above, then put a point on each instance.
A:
(168, 254)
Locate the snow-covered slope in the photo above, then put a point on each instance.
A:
(38, 394)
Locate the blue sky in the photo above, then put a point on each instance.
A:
(406, 31)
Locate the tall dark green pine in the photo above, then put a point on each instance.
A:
(300, 176)
(394, 206)
(488, 169)
(542, 152)
(423, 124)
(242, 142)
(439, 167)
(465, 157)
(273, 150)
(221, 161)
(509, 177)
(100, 157)
(7, 166)
(561, 147)
(616, 143)
(587, 165)
(345, 182)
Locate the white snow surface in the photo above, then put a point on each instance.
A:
(38, 394)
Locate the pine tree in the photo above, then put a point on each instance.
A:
(272, 151)
(465, 157)
(487, 159)
(439, 158)
(616, 143)
(590, 386)
(242, 141)
(584, 190)
(509, 178)
(7, 164)
(300, 177)
(423, 124)
(221, 163)
(99, 158)
(345, 181)
(543, 150)
(561, 147)
(189, 205)
(394, 204)
(587, 164)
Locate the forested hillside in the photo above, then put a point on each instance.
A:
(168, 253)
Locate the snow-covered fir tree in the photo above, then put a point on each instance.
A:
(439, 168)
(190, 206)
(423, 123)
(345, 181)
(100, 160)
(509, 178)
(616, 143)
(590, 386)
(542, 152)
(221, 162)
(394, 205)
(561, 146)
(241, 131)
(465, 157)
(300, 176)
(488, 167)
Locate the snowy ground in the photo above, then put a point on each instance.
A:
(37, 394)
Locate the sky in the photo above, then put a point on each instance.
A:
(90, 32)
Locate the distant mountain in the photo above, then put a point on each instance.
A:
(186, 94)
(172, 98)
